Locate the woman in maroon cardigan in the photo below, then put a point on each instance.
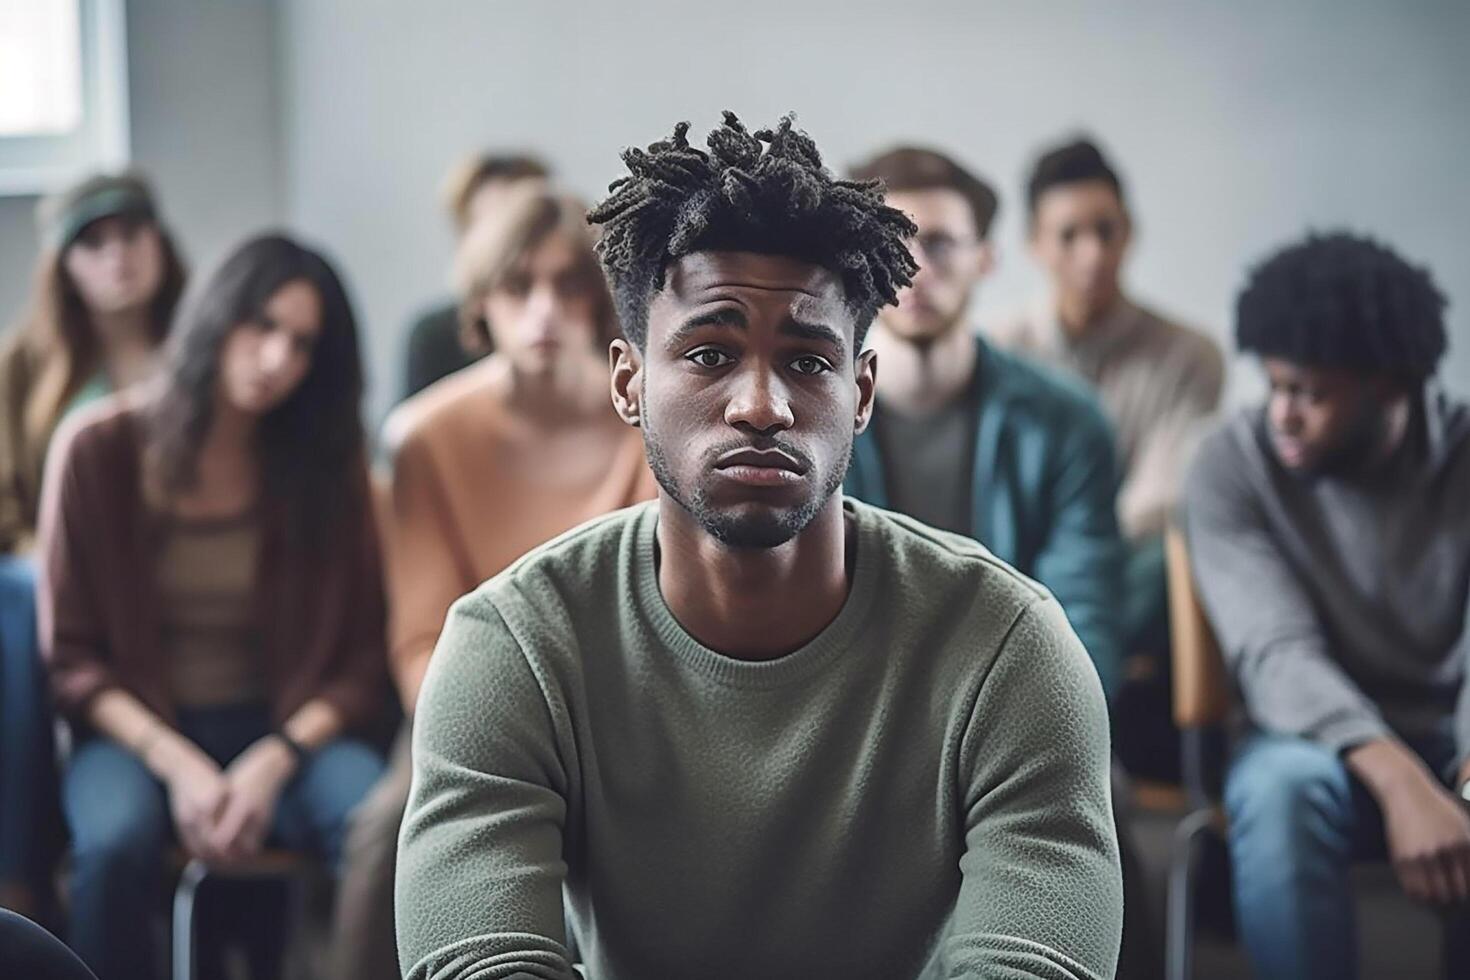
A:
(210, 604)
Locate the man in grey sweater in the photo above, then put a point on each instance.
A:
(754, 729)
(1330, 536)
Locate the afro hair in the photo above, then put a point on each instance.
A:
(1337, 300)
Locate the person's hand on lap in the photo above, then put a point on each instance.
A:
(255, 781)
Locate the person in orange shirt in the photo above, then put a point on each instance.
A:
(487, 464)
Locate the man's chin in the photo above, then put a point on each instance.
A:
(752, 529)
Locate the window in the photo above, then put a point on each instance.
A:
(63, 91)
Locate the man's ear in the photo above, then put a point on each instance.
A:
(985, 257)
(626, 369)
(866, 370)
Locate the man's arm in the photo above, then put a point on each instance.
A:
(1188, 397)
(480, 866)
(1042, 892)
(1082, 561)
(425, 572)
(1263, 618)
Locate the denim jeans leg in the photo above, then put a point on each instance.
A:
(120, 826)
(314, 810)
(28, 780)
(1292, 812)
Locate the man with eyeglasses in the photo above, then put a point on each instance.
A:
(973, 440)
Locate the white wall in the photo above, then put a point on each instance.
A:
(1236, 125)
(206, 126)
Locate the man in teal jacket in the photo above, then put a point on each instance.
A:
(978, 441)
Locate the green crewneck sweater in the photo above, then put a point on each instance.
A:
(921, 791)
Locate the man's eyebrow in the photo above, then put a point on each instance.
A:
(725, 316)
(808, 330)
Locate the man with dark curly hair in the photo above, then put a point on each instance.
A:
(1330, 536)
(755, 729)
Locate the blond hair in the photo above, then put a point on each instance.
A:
(497, 244)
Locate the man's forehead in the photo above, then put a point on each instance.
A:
(703, 276)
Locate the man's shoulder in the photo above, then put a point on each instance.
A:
(1176, 340)
(1227, 456)
(939, 563)
(1040, 395)
(438, 319)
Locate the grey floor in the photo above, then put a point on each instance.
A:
(1398, 940)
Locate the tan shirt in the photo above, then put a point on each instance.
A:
(461, 510)
(1159, 383)
(206, 596)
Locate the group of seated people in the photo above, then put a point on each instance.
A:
(729, 637)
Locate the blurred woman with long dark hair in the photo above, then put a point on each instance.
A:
(211, 604)
(106, 286)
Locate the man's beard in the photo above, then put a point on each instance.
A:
(766, 528)
(1356, 451)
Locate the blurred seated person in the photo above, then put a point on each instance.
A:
(1329, 531)
(436, 344)
(210, 599)
(486, 465)
(974, 440)
(1159, 382)
(105, 289)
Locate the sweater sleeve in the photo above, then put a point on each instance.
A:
(424, 572)
(1042, 890)
(480, 866)
(71, 632)
(1082, 559)
(1263, 619)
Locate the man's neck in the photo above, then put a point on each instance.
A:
(567, 394)
(754, 603)
(1078, 315)
(921, 379)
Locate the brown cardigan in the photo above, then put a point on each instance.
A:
(20, 459)
(322, 614)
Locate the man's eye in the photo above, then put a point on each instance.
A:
(810, 364)
(708, 357)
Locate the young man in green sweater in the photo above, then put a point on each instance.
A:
(754, 729)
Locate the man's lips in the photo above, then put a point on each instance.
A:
(761, 467)
(1289, 450)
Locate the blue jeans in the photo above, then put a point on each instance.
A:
(120, 826)
(28, 786)
(1298, 819)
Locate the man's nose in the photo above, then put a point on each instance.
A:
(760, 402)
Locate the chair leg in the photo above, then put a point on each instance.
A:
(183, 933)
(1179, 915)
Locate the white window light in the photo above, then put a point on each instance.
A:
(63, 92)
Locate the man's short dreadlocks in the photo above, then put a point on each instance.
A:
(1338, 300)
(764, 192)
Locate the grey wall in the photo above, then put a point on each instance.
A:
(1236, 124)
(202, 81)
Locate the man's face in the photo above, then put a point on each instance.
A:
(1323, 420)
(747, 391)
(952, 260)
(1079, 235)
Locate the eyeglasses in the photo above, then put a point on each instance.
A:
(941, 249)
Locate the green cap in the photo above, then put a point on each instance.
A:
(64, 216)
